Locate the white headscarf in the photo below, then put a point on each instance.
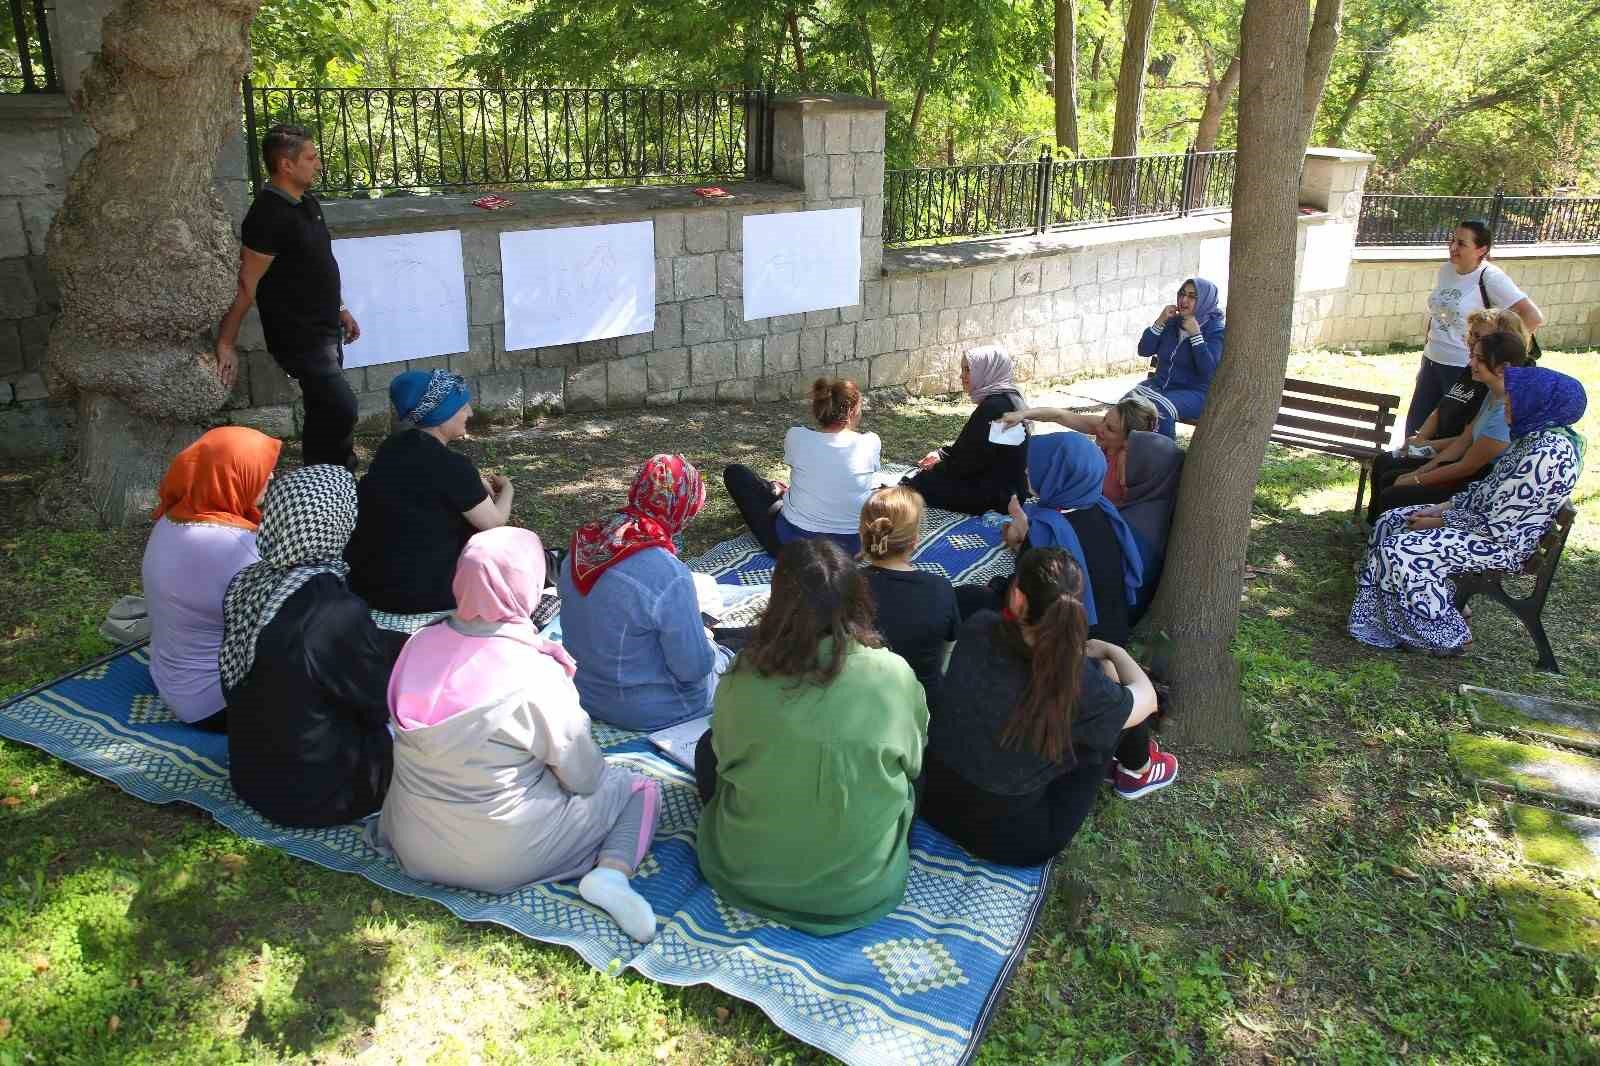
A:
(990, 370)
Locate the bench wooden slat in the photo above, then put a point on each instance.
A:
(1327, 447)
(1363, 416)
(1316, 388)
(1367, 434)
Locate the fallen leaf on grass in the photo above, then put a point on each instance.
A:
(1480, 823)
(233, 864)
(33, 790)
(11, 801)
(113, 1023)
(39, 963)
(15, 782)
(1405, 872)
(376, 906)
(723, 1014)
(5, 1028)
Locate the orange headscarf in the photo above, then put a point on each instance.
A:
(218, 477)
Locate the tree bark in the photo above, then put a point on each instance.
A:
(793, 20)
(1130, 77)
(142, 248)
(1066, 74)
(1218, 96)
(1198, 603)
(1320, 47)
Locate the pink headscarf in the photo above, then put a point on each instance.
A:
(990, 369)
(443, 671)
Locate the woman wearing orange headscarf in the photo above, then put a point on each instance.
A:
(205, 533)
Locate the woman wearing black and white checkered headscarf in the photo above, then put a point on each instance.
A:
(304, 668)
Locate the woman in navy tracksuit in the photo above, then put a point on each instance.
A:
(1186, 345)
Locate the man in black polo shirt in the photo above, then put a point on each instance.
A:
(286, 266)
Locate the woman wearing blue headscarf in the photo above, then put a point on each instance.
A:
(1066, 471)
(421, 501)
(1405, 595)
(1185, 346)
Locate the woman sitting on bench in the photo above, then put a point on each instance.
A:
(1404, 595)
(629, 612)
(976, 474)
(1110, 430)
(1467, 457)
(1034, 711)
(832, 469)
(807, 771)
(1185, 346)
(497, 781)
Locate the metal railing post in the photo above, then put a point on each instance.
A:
(1495, 207)
(1041, 206)
(252, 147)
(45, 55)
(1188, 181)
(19, 25)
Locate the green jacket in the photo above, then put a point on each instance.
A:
(813, 805)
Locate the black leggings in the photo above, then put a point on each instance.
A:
(754, 496)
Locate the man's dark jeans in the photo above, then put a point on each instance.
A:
(328, 436)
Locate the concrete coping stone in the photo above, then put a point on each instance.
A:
(1434, 253)
(543, 207)
(829, 102)
(1343, 155)
(929, 258)
(30, 108)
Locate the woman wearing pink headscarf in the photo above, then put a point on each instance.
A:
(976, 474)
(497, 780)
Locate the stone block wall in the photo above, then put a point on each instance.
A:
(1386, 300)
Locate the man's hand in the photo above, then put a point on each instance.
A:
(352, 329)
(227, 364)
(929, 461)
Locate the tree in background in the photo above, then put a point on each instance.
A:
(142, 248)
(1197, 606)
(1065, 73)
(1130, 78)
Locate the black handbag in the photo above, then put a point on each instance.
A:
(1534, 351)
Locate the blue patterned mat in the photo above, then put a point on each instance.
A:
(918, 986)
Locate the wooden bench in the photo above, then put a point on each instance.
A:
(1541, 566)
(1350, 423)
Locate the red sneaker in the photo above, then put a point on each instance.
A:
(1159, 772)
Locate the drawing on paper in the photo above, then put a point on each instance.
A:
(409, 294)
(578, 283)
(801, 261)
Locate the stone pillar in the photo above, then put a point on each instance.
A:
(1333, 180)
(831, 146)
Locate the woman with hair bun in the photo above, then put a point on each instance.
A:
(831, 475)
(917, 612)
(1030, 713)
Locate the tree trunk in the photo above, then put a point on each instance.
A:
(1198, 603)
(1217, 99)
(142, 248)
(793, 20)
(1130, 77)
(1066, 74)
(922, 80)
(1319, 57)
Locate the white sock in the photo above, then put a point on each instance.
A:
(609, 890)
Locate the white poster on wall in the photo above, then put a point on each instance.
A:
(408, 294)
(578, 283)
(801, 261)
(1214, 265)
(1326, 263)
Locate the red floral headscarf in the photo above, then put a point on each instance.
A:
(666, 494)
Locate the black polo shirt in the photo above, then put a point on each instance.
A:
(299, 294)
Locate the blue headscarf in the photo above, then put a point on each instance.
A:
(1207, 310)
(1067, 471)
(424, 398)
(1542, 398)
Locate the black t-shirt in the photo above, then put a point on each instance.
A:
(917, 617)
(409, 529)
(1459, 406)
(299, 294)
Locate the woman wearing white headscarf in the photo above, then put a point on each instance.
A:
(975, 474)
(304, 669)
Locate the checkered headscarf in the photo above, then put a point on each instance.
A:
(306, 522)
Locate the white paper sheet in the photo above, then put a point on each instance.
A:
(801, 261)
(1214, 265)
(1326, 263)
(677, 742)
(408, 294)
(578, 283)
(999, 434)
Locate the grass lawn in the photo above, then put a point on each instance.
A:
(1329, 898)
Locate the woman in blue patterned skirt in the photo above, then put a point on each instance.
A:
(1405, 596)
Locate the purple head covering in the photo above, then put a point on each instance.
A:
(1207, 308)
(990, 369)
(1542, 398)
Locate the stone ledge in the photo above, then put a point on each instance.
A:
(542, 207)
(1343, 155)
(828, 102)
(902, 261)
(1418, 253)
(34, 108)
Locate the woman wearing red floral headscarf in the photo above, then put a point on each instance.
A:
(629, 614)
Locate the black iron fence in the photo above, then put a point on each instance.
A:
(1404, 218)
(373, 139)
(993, 200)
(27, 65)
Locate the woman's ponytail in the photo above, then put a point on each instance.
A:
(1052, 585)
